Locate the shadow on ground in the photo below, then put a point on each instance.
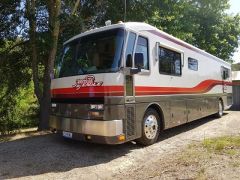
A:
(51, 153)
(186, 127)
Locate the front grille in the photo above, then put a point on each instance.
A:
(77, 111)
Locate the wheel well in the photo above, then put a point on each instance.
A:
(157, 108)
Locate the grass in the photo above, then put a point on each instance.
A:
(226, 144)
(201, 156)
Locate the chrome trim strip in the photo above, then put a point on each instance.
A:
(89, 127)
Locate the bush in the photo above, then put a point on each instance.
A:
(18, 110)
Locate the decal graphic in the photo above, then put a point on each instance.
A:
(88, 81)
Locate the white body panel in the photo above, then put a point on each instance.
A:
(209, 66)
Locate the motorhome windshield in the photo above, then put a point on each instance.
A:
(95, 53)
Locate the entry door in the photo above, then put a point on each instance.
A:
(129, 79)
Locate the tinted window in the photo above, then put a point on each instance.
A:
(192, 64)
(169, 62)
(95, 53)
(142, 47)
(130, 47)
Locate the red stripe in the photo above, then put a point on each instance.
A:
(101, 91)
(97, 91)
(202, 87)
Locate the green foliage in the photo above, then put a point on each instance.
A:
(16, 91)
(18, 110)
(202, 23)
(222, 144)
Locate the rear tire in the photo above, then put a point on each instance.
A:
(150, 127)
(219, 114)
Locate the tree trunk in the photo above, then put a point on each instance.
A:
(44, 114)
(54, 7)
(43, 94)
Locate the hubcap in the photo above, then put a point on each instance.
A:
(151, 127)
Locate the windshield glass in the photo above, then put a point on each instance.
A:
(94, 53)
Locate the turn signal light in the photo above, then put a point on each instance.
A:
(121, 137)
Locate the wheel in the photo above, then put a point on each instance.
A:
(220, 109)
(150, 128)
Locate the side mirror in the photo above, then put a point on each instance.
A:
(129, 60)
(139, 60)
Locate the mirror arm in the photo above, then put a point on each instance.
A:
(135, 70)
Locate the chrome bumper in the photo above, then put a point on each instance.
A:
(89, 127)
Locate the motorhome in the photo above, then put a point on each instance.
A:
(129, 81)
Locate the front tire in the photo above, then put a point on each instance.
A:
(150, 127)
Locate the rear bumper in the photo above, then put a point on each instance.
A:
(89, 130)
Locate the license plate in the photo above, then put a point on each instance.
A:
(67, 134)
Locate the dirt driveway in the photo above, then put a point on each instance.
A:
(48, 156)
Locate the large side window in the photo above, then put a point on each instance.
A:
(169, 62)
(192, 64)
(130, 48)
(142, 47)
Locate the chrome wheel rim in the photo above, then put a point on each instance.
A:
(151, 127)
(220, 108)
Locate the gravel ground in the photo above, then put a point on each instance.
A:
(48, 156)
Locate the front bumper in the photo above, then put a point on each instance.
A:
(98, 131)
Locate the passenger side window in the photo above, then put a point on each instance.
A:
(192, 64)
(142, 47)
(169, 62)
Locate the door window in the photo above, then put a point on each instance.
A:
(130, 48)
(142, 47)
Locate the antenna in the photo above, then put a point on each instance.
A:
(125, 9)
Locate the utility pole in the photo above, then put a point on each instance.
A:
(125, 10)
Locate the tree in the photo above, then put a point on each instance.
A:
(43, 94)
(45, 24)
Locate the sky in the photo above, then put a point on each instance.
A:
(235, 8)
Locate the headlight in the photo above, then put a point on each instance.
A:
(54, 108)
(96, 107)
(96, 111)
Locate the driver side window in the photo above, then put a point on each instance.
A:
(142, 47)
